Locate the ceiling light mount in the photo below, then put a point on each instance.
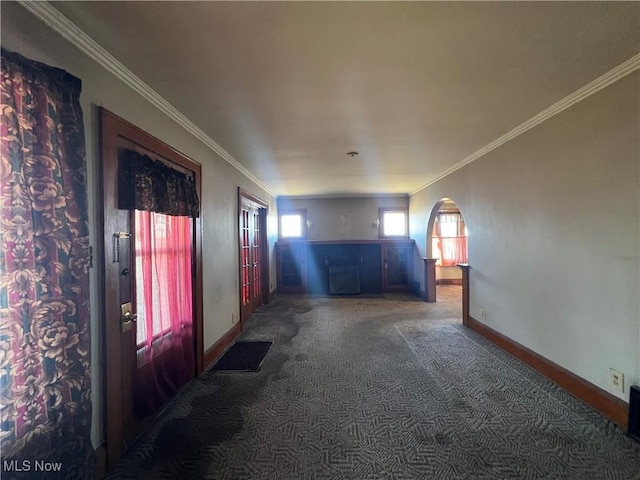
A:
(352, 154)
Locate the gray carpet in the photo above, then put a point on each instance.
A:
(384, 388)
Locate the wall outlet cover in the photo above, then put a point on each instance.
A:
(617, 379)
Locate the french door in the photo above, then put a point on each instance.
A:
(254, 272)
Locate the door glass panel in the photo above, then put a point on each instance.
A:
(246, 257)
(257, 276)
(163, 279)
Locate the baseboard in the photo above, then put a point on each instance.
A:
(449, 281)
(101, 461)
(218, 348)
(609, 405)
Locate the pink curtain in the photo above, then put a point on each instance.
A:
(45, 359)
(164, 302)
(447, 244)
(453, 250)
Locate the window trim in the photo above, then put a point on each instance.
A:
(303, 220)
(381, 213)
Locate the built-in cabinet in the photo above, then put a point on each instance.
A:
(291, 268)
(396, 265)
(344, 268)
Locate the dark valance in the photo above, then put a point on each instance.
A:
(151, 185)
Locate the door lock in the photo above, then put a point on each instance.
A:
(127, 317)
(115, 240)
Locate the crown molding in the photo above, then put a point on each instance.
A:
(589, 89)
(350, 196)
(71, 32)
(76, 36)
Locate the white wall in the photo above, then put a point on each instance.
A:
(23, 33)
(554, 245)
(342, 218)
(448, 273)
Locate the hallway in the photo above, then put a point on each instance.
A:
(383, 387)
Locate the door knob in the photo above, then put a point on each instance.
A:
(127, 317)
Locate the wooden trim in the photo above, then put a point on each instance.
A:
(430, 279)
(240, 260)
(266, 267)
(449, 281)
(217, 349)
(465, 293)
(116, 133)
(381, 241)
(249, 196)
(257, 202)
(609, 405)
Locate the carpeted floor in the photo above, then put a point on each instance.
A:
(385, 388)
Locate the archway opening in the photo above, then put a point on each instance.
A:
(447, 246)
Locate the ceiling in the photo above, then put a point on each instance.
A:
(288, 89)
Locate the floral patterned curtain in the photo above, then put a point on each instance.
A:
(152, 186)
(45, 377)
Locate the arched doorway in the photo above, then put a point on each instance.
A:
(447, 247)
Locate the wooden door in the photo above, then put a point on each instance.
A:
(396, 265)
(119, 329)
(246, 262)
(254, 275)
(122, 253)
(256, 257)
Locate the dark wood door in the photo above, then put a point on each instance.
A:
(253, 255)
(124, 255)
(396, 267)
(256, 256)
(246, 304)
(120, 332)
(119, 329)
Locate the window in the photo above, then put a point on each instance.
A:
(163, 280)
(293, 224)
(449, 242)
(393, 222)
(449, 224)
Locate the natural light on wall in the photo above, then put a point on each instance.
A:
(394, 224)
(291, 225)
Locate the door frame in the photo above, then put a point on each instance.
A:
(263, 208)
(116, 132)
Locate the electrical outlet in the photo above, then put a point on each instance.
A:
(617, 379)
(233, 318)
(483, 313)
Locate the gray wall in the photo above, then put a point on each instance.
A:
(23, 33)
(342, 218)
(554, 244)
